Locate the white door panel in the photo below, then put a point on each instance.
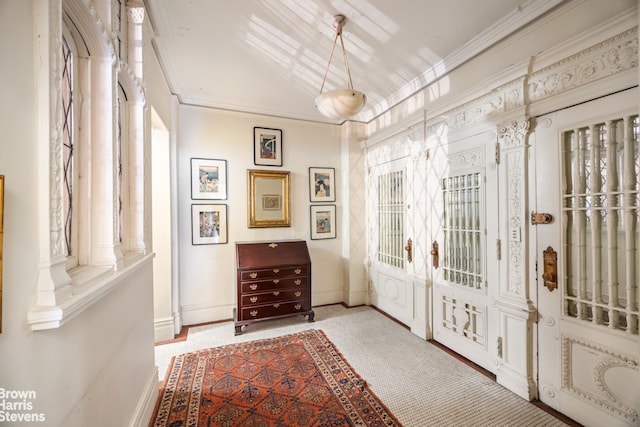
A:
(587, 168)
(466, 281)
(397, 229)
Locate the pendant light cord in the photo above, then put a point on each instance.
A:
(344, 56)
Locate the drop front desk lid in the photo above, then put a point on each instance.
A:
(264, 254)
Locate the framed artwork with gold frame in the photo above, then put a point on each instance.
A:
(268, 198)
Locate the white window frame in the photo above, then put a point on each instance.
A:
(68, 285)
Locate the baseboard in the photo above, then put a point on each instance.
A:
(163, 329)
(197, 314)
(147, 403)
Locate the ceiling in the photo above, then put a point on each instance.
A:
(269, 56)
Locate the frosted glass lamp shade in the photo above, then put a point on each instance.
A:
(340, 104)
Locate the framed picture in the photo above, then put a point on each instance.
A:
(209, 224)
(268, 198)
(322, 186)
(323, 222)
(267, 146)
(208, 179)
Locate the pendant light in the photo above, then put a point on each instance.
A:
(340, 104)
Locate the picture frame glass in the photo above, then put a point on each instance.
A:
(209, 224)
(323, 222)
(322, 186)
(267, 145)
(208, 179)
(268, 198)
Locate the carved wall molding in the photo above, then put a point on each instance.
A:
(612, 56)
(512, 138)
(515, 179)
(610, 359)
(56, 204)
(513, 134)
(133, 86)
(500, 100)
(467, 159)
(135, 13)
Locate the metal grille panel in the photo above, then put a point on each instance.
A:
(462, 230)
(390, 211)
(600, 207)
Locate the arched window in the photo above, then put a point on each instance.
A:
(92, 232)
(68, 143)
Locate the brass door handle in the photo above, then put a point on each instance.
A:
(435, 256)
(409, 249)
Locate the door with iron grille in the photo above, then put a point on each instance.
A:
(586, 179)
(396, 253)
(464, 219)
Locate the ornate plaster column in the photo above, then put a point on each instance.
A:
(135, 18)
(105, 247)
(516, 312)
(54, 284)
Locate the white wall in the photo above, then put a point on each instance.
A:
(98, 368)
(207, 272)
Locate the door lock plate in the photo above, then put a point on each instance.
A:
(550, 268)
(435, 257)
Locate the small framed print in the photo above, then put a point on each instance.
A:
(208, 179)
(322, 184)
(323, 222)
(209, 224)
(267, 146)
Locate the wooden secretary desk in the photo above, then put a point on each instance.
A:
(273, 281)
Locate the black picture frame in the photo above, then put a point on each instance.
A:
(322, 184)
(267, 146)
(209, 224)
(322, 222)
(208, 179)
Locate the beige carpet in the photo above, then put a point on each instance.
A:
(419, 383)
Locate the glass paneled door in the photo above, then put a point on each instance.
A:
(587, 173)
(465, 217)
(396, 246)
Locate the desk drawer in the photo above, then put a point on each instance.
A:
(274, 285)
(275, 309)
(274, 297)
(274, 273)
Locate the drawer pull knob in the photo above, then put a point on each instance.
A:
(298, 306)
(276, 293)
(276, 281)
(253, 286)
(276, 270)
(276, 305)
(254, 299)
(273, 245)
(253, 275)
(298, 270)
(298, 281)
(254, 313)
(298, 293)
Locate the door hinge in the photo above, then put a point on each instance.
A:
(497, 153)
(499, 249)
(499, 347)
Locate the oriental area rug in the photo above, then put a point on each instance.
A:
(293, 380)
